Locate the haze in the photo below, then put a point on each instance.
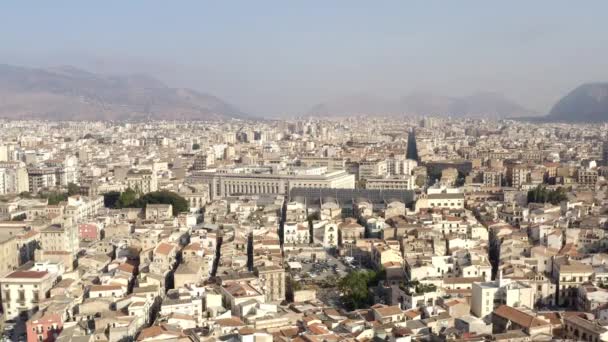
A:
(275, 58)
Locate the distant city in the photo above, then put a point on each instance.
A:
(415, 229)
(319, 171)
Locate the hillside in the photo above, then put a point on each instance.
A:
(67, 93)
(587, 103)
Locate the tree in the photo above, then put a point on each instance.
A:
(73, 189)
(127, 198)
(110, 199)
(540, 194)
(20, 217)
(179, 203)
(355, 288)
(196, 146)
(55, 198)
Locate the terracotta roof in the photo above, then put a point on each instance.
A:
(193, 246)
(388, 310)
(519, 317)
(28, 274)
(230, 322)
(105, 287)
(164, 248)
(158, 330)
(126, 267)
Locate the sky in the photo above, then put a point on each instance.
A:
(277, 58)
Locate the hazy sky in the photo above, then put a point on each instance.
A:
(273, 57)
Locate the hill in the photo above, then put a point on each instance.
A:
(587, 103)
(68, 93)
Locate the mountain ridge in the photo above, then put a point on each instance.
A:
(69, 93)
(587, 103)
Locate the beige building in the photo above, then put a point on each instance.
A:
(570, 276)
(272, 279)
(23, 290)
(403, 182)
(159, 211)
(142, 181)
(9, 254)
(60, 237)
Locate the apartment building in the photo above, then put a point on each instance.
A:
(22, 290)
(142, 181)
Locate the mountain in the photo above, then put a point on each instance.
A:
(68, 93)
(422, 103)
(356, 104)
(586, 103)
(486, 105)
(478, 105)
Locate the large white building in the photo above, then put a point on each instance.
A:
(264, 180)
(488, 295)
(23, 290)
(14, 177)
(81, 208)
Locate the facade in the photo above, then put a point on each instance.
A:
(60, 238)
(9, 254)
(22, 291)
(258, 181)
(272, 279)
(45, 328)
(41, 178)
(88, 231)
(489, 295)
(142, 181)
(404, 182)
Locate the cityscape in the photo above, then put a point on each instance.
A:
(269, 171)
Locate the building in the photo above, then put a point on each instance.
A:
(159, 211)
(372, 169)
(45, 328)
(22, 290)
(441, 198)
(486, 296)
(60, 238)
(404, 182)
(569, 277)
(587, 176)
(141, 181)
(581, 329)
(41, 178)
(13, 178)
(262, 180)
(272, 279)
(9, 254)
(492, 178)
(88, 231)
(81, 208)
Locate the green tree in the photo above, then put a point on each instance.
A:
(55, 198)
(355, 288)
(73, 189)
(196, 146)
(179, 203)
(110, 199)
(541, 194)
(127, 198)
(20, 217)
